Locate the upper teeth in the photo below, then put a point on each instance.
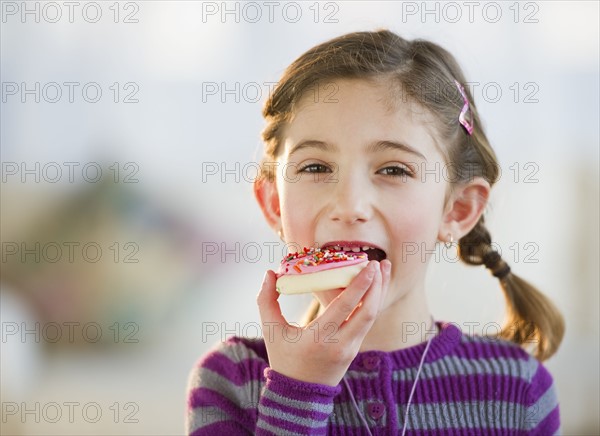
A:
(354, 249)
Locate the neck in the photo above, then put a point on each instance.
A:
(404, 323)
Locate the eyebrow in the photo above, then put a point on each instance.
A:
(374, 147)
(311, 143)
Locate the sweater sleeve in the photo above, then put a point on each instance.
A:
(542, 414)
(292, 407)
(223, 398)
(216, 400)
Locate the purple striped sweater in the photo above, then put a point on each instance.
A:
(469, 385)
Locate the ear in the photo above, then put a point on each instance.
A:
(464, 208)
(266, 194)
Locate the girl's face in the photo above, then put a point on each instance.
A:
(356, 170)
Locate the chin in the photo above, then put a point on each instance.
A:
(326, 297)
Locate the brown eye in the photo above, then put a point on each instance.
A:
(315, 168)
(395, 171)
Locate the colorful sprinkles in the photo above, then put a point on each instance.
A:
(318, 256)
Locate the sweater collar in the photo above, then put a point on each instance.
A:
(447, 338)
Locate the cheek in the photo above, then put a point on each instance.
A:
(411, 229)
(416, 221)
(297, 214)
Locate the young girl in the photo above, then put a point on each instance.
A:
(373, 140)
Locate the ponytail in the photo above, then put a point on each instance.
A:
(532, 318)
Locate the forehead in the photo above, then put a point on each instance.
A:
(360, 111)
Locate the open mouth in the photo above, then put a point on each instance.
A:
(375, 254)
(372, 253)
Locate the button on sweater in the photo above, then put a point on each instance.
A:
(469, 385)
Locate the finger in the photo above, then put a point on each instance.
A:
(384, 267)
(268, 306)
(386, 272)
(359, 324)
(342, 306)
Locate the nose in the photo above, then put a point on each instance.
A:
(351, 201)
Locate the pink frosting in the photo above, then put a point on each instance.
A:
(315, 259)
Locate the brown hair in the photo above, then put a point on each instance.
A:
(425, 73)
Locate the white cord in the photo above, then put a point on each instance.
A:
(415, 385)
(362, 418)
(412, 391)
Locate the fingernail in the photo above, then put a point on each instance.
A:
(265, 278)
(371, 269)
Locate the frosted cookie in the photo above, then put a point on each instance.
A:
(317, 269)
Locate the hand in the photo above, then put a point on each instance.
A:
(312, 353)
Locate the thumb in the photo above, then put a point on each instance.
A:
(268, 306)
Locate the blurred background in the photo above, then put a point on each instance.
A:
(131, 241)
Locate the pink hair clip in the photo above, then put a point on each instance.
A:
(467, 124)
